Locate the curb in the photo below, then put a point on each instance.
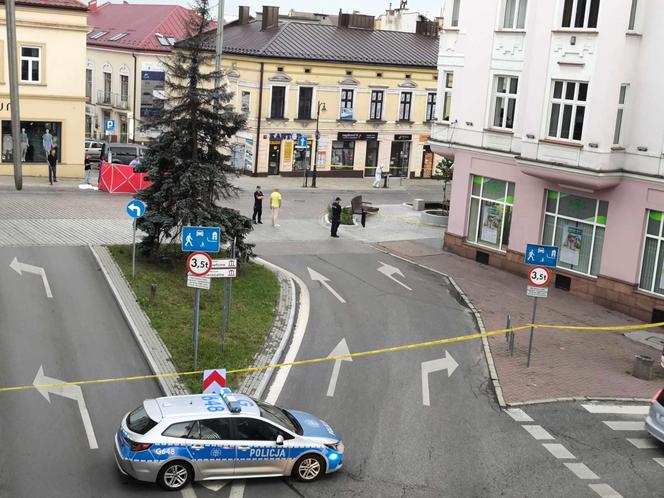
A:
(493, 374)
(578, 398)
(170, 386)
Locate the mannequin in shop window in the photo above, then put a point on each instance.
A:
(7, 147)
(24, 144)
(47, 142)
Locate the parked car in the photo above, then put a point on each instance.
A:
(93, 149)
(655, 418)
(119, 153)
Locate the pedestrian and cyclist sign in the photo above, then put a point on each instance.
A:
(206, 239)
(541, 255)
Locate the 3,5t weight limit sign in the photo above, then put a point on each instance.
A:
(539, 276)
(199, 264)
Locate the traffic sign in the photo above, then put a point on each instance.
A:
(198, 282)
(301, 142)
(222, 273)
(199, 264)
(201, 239)
(214, 381)
(224, 263)
(109, 125)
(539, 276)
(135, 208)
(537, 291)
(541, 255)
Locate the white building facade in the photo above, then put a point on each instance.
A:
(552, 111)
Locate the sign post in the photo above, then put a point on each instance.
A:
(228, 287)
(198, 265)
(302, 144)
(135, 209)
(538, 277)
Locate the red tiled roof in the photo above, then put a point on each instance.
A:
(54, 4)
(140, 22)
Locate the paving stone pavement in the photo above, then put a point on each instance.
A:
(565, 363)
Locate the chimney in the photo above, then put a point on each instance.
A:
(356, 21)
(243, 15)
(270, 18)
(427, 28)
(92, 5)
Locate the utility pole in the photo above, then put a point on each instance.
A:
(10, 15)
(219, 47)
(313, 177)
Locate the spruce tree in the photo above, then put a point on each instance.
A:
(189, 161)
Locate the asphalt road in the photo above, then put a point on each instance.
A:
(78, 334)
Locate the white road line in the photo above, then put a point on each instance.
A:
(642, 443)
(581, 470)
(188, 492)
(518, 415)
(617, 425)
(659, 461)
(538, 432)
(237, 489)
(618, 409)
(558, 450)
(605, 491)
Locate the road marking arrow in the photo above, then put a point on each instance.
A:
(21, 267)
(45, 386)
(434, 366)
(317, 277)
(340, 350)
(389, 271)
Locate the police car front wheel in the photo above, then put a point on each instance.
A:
(309, 468)
(174, 475)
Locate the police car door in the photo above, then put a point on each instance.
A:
(258, 452)
(212, 448)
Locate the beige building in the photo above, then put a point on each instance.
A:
(376, 91)
(51, 93)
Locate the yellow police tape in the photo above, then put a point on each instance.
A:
(373, 352)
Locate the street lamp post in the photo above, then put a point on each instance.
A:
(321, 106)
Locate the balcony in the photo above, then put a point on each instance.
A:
(109, 99)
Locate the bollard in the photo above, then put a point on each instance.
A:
(153, 294)
(642, 367)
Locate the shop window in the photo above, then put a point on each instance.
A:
(371, 160)
(31, 64)
(652, 277)
(302, 157)
(37, 139)
(343, 154)
(576, 225)
(490, 217)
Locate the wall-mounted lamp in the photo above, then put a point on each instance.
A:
(530, 136)
(641, 148)
(593, 145)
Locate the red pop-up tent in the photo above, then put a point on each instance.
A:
(120, 178)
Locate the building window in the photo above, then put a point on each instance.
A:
(88, 125)
(632, 15)
(617, 133)
(576, 225)
(304, 102)
(278, 102)
(515, 14)
(245, 101)
(88, 84)
(580, 13)
(455, 13)
(652, 277)
(346, 106)
(431, 107)
(124, 88)
(448, 81)
(490, 217)
(504, 101)
(343, 154)
(107, 88)
(30, 64)
(376, 108)
(568, 107)
(405, 105)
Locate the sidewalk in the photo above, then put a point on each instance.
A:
(564, 363)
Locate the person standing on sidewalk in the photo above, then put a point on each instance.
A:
(275, 205)
(87, 166)
(258, 205)
(378, 175)
(52, 163)
(336, 217)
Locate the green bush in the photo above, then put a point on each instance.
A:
(346, 215)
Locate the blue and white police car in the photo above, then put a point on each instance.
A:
(176, 439)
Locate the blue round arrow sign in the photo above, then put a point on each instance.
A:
(136, 208)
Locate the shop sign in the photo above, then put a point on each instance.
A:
(356, 136)
(283, 136)
(402, 138)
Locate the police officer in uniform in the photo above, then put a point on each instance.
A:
(336, 216)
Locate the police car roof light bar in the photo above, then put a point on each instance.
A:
(230, 400)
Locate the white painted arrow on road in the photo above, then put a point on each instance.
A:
(434, 366)
(317, 277)
(340, 350)
(45, 386)
(389, 271)
(21, 267)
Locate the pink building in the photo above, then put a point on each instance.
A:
(553, 114)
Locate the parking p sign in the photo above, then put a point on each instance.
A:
(109, 125)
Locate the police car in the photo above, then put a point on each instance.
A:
(177, 439)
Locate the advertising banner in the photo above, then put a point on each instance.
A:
(490, 224)
(153, 76)
(571, 245)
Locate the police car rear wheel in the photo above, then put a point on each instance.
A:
(174, 476)
(308, 468)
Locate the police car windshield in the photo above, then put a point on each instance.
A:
(279, 416)
(139, 422)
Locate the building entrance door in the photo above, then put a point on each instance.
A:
(399, 158)
(274, 158)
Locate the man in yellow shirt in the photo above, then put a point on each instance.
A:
(275, 204)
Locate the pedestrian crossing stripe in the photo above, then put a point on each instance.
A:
(617, 409)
